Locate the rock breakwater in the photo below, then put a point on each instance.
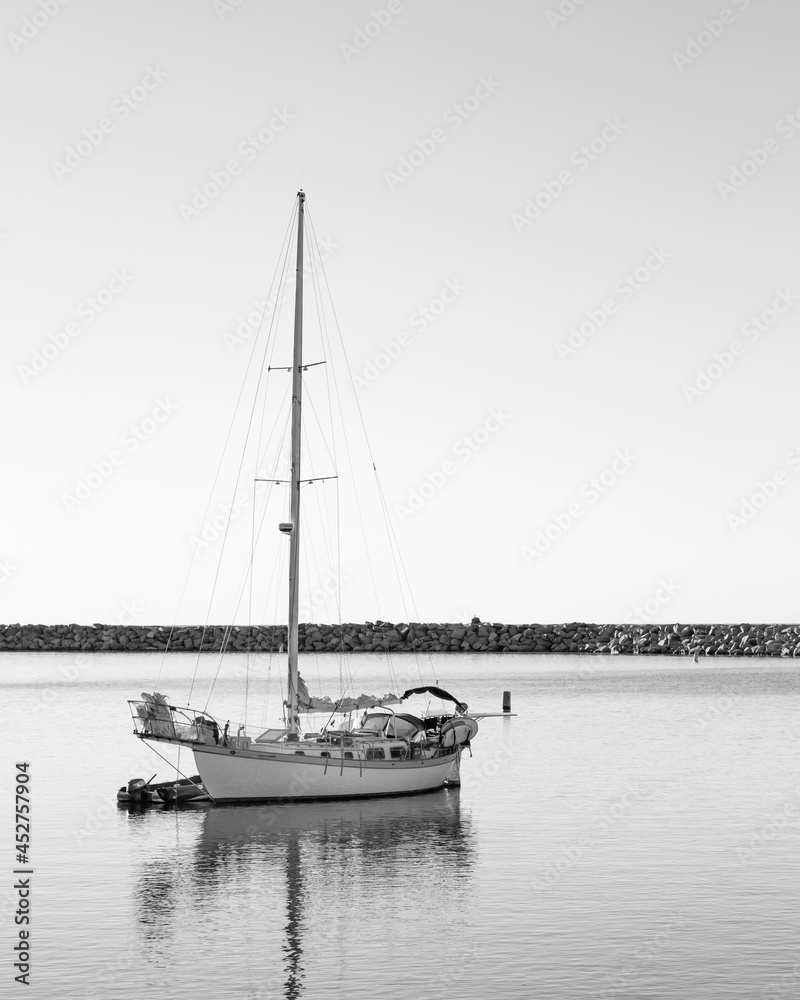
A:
(478, 636)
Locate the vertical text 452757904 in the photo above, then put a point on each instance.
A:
(23, 811)
(22, 845)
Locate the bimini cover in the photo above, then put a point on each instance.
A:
(458, 731)
(437, 692)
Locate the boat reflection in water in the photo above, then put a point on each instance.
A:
(301, 896)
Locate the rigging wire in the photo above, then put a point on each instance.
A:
(268, 345)
(246, 572)
(275, 591)
(394, 546)
(341, 661)
(349, 455)
(170, 635)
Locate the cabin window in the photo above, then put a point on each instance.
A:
(325, 753)
(348, 755)
(397, 753)
(375, 753)
(299, 753)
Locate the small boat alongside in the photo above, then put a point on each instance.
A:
(148, 793)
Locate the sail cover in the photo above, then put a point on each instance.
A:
(437, 692)
(307, 703)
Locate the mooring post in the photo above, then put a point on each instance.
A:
(506, 701)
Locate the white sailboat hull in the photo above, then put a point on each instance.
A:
(256, 776)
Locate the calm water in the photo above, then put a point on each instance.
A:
(633, 832)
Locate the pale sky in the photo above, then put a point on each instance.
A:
(573, 225)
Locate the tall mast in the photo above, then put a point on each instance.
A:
(294, 549)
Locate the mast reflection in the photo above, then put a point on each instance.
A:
(299, 873)
(293, 948)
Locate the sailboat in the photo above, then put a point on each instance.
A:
(384, 752)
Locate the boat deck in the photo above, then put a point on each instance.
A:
(163, 725)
